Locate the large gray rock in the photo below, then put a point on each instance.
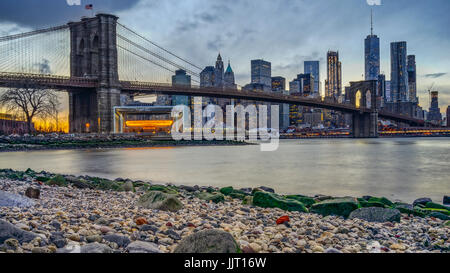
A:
(422, 201)
(8, 199)
(78, 182)
(208, 241)
(120, 240)
(446, 200)
(439, 215)
(376, 214)
(32, 193)
(8, 230)
(160, 200)
(128, 186)
(143, 247)
(96, 248)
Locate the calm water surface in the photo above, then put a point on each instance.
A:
(400, 169)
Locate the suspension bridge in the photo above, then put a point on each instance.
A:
(101, 62)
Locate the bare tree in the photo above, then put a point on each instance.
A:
(31, 102)
(54, 110)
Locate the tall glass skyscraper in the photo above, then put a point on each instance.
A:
(182, 79)
(412, 85)
(333, 85)
(372, 54)
(262, 73)
(313, 68)
(399, 73)
(434, 114)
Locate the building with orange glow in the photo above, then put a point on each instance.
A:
(10, 125)
(333, 84)
(143, 118)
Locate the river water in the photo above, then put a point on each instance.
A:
(398, 168)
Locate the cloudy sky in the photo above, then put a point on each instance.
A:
(284, 32)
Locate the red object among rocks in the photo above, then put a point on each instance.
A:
(190, 225)
(282, 220)
(169, 224)
(141, 221)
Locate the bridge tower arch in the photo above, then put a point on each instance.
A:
(93, 54)
(358, 99)
(365, 122)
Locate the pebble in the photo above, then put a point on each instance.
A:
(110, 220)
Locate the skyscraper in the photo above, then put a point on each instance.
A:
(207, 77)
(412, 85)
(381, 89)
(307, 84)
(278, 84)
(434, 115)
(399, 73)
(448, 116)
(295, 87)
(228, 78)
(181, 78)
(334, 76)
(262, 74)
(388, 94)
(219, 72)
(372, 54)
(313, 68)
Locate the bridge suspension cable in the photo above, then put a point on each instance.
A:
(143, 60)
(45, 51)
(165, 50)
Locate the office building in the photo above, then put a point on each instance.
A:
(181, 79)
(372, 54)
(278, 84)
(333, 84)
(412, 85)
(229, 81)
(448, 116)
(434, 113)
(313, 68)
(261, 73)
(306, 82)
(399, 73)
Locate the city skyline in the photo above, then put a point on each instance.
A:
(216, 28)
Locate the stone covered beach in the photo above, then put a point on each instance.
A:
(46, 213)
(14, 143)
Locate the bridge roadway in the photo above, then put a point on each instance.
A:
(12, 80)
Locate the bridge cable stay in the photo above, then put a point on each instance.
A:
(163, 49)
(155, 63)
(43, 52)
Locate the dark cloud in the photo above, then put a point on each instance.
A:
(35, 14)
(435, 75)
(216, 44)
(196, 21)
(187, 26)
(208, 17)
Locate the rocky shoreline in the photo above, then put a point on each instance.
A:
(15, 143)
(44, 213)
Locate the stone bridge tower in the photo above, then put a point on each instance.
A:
(363, 94)
(93, 54)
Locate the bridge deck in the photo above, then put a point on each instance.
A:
(138, 88)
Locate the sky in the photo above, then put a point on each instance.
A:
(284, 32)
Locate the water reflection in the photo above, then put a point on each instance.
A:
(401, 169)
